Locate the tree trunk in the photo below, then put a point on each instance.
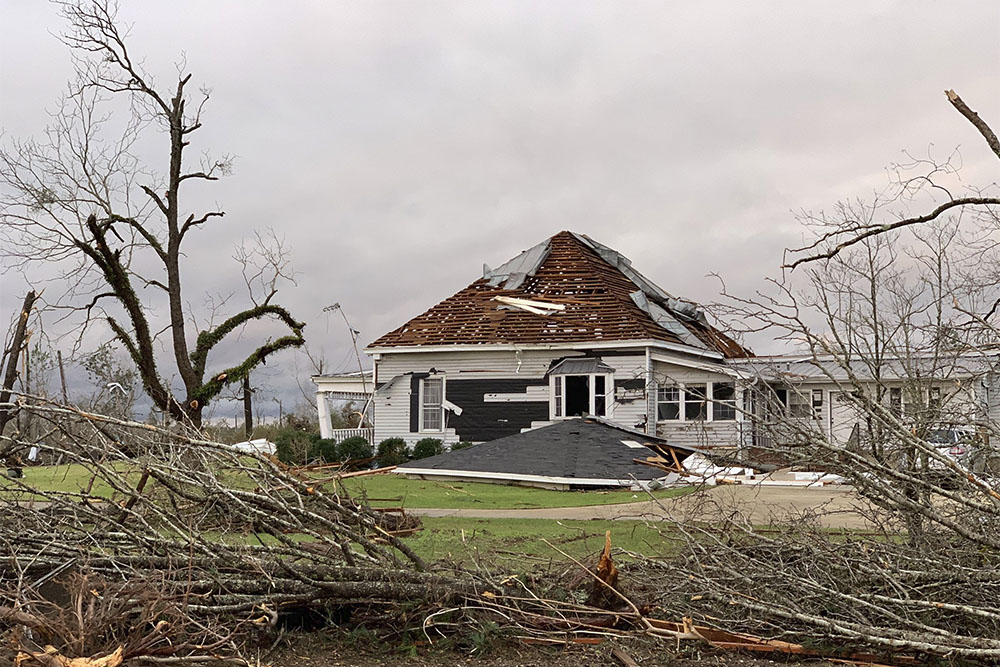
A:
(247, 408)
(10, 373)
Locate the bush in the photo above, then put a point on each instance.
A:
(294, 447)
(428, 447)
(323, 451)
(392, 452)
(354, 448)
(461, 445)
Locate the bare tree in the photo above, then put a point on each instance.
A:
(896, 309)
(81, 199)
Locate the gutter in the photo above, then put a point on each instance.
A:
(576, 346)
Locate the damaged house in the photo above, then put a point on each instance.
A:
(569, 328)
(566, 328)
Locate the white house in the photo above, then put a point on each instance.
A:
(569, 327)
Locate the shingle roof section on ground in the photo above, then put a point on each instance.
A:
(579, 449)
(595, 293)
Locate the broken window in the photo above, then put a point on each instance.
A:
(723, 401)
(695, 402)
(668, 403)
(431, 408)
(578, 395)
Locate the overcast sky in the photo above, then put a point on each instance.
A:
(398, 146)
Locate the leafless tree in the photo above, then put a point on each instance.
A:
(81, 199)
(895, 311)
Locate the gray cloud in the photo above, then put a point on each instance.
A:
(398, 146)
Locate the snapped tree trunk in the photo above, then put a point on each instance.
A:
(16, 345)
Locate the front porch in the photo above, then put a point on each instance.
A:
(358, 387)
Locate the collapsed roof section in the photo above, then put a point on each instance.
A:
(567, 289)
(581, 452)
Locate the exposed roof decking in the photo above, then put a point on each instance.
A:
(596, 296)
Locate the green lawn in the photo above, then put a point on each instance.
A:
(465, 540)
(72, 478)
(391, 490)
(387, 490)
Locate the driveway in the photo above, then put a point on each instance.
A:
(834, 506)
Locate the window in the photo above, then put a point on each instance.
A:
(896, 401)
(431, 408)
(690, 402)
(799, 405)
(558, 396)
(668, 403)
(934, 399)
(577, 395)
(695, 402)
(723, 401)
(817, 402)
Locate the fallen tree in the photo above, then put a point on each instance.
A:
(181, 545)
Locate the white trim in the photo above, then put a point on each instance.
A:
(420, 416)
(571, 345)
(516, 477)
(687, 363)
(609, 390)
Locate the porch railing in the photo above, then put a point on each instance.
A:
(339, 434)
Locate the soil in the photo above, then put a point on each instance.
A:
(325, 650)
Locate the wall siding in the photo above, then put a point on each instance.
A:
(500, 392)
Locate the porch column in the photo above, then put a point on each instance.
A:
(651, 396)
(323, 410)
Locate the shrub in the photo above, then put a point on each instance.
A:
(354, 448)
(294, 447)
(392, 452)
(461, 445)
(427, 447)
(323, 450)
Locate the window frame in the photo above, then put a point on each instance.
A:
(705, 398)
(722, 402)
(677, 401)
(425, 408)
(557, 394)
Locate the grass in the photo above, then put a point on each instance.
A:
(464, 540)
(70, 478)
(391, 490)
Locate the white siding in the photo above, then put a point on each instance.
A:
(392, 406)
(701, 434)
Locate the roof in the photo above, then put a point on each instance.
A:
(804, 368)
(566, 289)
(580, 366)
(587, 451)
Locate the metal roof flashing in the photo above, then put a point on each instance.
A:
(514, 272)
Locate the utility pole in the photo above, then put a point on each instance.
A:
(354, 340)
(281, 411)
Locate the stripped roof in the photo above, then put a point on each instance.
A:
(567, 289)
